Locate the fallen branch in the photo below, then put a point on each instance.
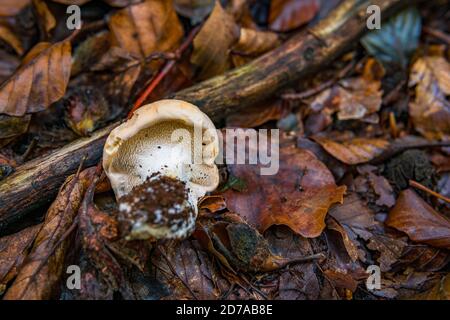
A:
(36, 183)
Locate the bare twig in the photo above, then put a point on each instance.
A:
(419, 186)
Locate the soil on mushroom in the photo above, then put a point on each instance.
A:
(160, 203)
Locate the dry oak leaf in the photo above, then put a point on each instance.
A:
(298, 196)
(40, 82)
(146, 27)
(419, 220)
(213, 43)
(430, 111)
(353, 151)
(286, 15)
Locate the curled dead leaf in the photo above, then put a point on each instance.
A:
(412, 215)
(213, 42)
(353, 151)
(430, 110)
(254, 42)
(38, 83)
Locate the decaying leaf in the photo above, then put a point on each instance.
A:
(38, 83)
(397, 39)
(419, 220)
(441, 291)
(298, 196)
(430, 110)
(286, 15)
(353, 151)
(39, 276)
(213, 42)
(13, 252)
(146, 27)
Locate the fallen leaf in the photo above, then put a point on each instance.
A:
(353, 151)
(40, 275)
(430, 110)
(286, 15)
(90, 51)
(397, 39)
(39, 83)
(213, 42)
(146, 27)
(46, 19)
(352, 99)
(298, 196)
(187, 271)
(12, 7)
(419, 220)
(13, 252)
(254, 42)
(7, 35)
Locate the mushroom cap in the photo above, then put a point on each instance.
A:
(170, 137)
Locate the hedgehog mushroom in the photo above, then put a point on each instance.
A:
(159, 163)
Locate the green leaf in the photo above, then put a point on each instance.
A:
(397, 39)
(235, 184)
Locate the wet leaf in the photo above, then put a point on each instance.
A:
(298, 196)
(12, 7)
(41, 273)
(146, 27)
(353, 151)
(397, 39)
(39, 83)
(213, 42)
(13, 252)
(430, 110)
(286, 15)
(419, 220)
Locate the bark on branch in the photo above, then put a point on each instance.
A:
(37, 182)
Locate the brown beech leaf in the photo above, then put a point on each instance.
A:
(187, 271)
(38, 83)
(298, 196)
(352, 99)
(213, 42)
(146, 27)
(353, 151)
(12, 7)
(286, 15)
(13, 251)
(412, 215)
(254, 42)
(39, 276)
(430, 110)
